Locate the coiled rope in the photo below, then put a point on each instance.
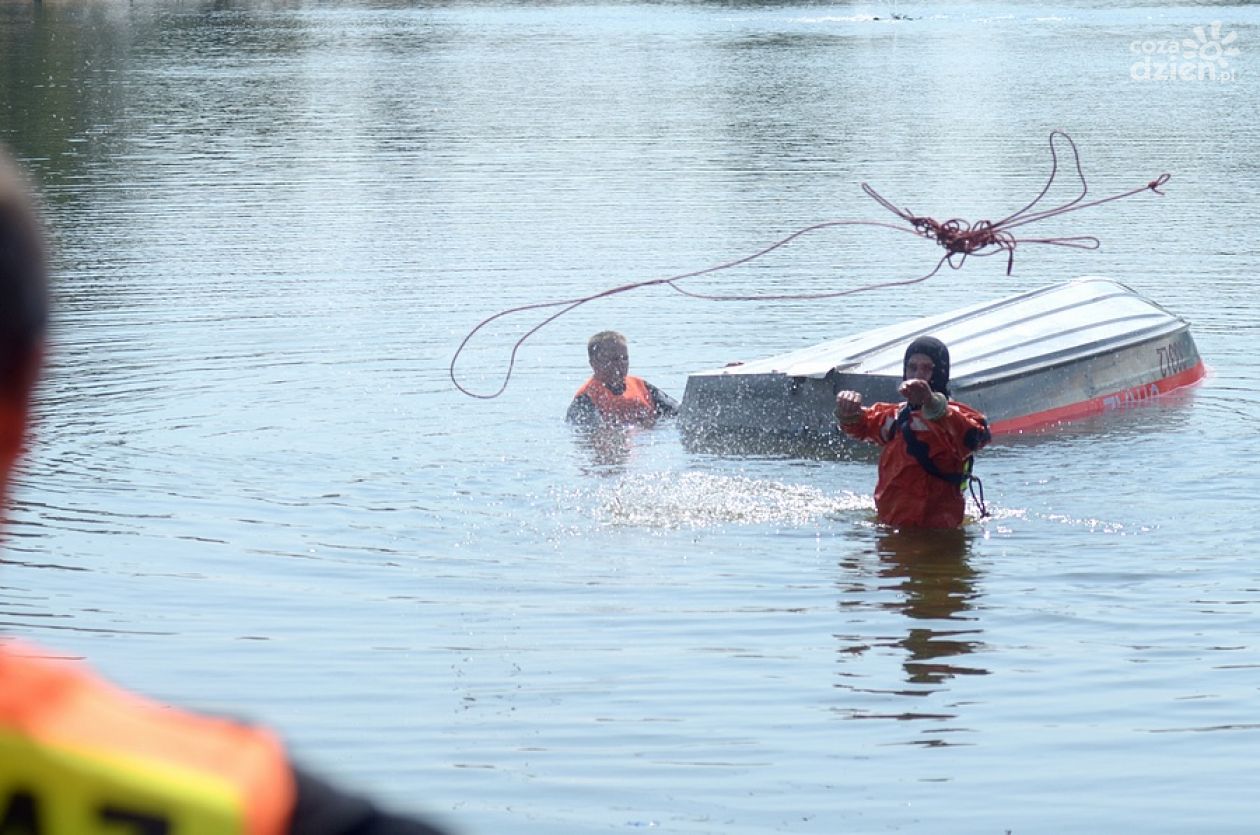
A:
(959, 238)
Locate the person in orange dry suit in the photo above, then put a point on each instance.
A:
(928, 442)
(80, 755)
(611, 397)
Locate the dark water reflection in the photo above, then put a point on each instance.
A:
(931, 570)
(926, 579)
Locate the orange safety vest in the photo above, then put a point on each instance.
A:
(79, 756)
(634, 405)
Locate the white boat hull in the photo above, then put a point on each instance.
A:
(1028, 361)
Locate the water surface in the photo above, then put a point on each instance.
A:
(254, 489)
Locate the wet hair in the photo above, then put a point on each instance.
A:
(23, 278)
(603, 338)
(935, 349)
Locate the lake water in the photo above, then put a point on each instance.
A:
(254, 489)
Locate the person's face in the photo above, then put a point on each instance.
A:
(611, 363)
(920, 367)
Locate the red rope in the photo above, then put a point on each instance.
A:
(957, 237)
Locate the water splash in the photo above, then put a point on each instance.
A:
(699, 500)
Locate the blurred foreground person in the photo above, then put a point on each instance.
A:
(79, 755)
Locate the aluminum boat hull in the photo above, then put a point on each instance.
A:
(1029, 361)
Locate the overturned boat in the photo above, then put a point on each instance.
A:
(1029, 361)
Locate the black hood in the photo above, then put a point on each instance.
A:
(934, 348)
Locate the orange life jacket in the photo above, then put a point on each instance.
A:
(80, 756)
(634, 405)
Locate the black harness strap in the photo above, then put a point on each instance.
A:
(919, 451)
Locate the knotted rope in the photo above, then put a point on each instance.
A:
(959, 238)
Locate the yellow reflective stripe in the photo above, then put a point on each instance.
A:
(77, 791)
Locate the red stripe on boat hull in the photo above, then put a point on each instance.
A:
(1104, 403)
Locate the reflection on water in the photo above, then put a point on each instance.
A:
(607, 448)
(930, 570)
(925, 579)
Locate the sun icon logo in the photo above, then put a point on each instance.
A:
(1210, 50)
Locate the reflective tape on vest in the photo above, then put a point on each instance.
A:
(79, 756)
